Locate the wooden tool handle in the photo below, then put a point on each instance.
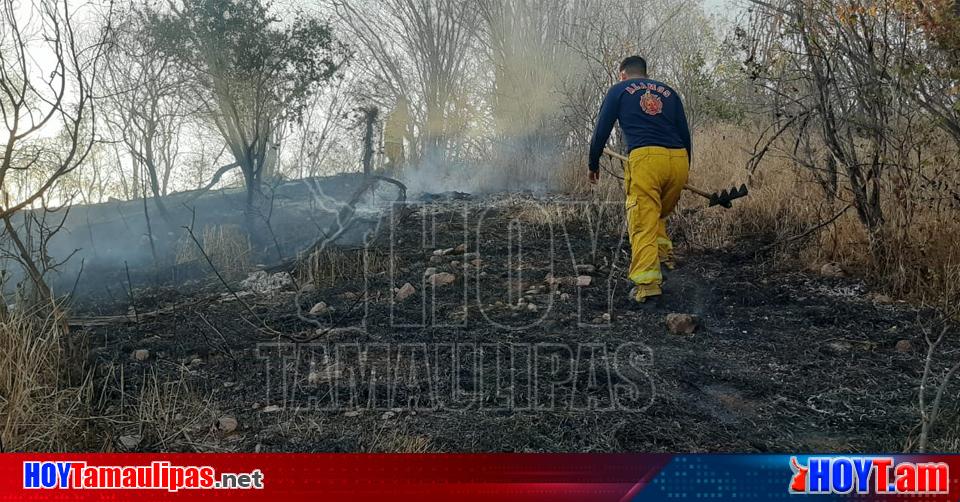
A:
(623, 158)
(615, 155)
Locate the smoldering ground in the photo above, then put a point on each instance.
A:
(770, 367)
(101, 250)
(503, 97)
(453, 377)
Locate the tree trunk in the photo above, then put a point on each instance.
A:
(26, 259)
(370, 117)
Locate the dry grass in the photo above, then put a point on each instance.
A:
(164, 414)
(168, 415)
(228, 247)
(921, 261)
(921, 249)
(782, 203)
(327, 267)
(45, 394)
(387, 439)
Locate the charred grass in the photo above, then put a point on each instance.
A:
(784, 360)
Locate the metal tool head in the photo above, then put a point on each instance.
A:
(724, 197)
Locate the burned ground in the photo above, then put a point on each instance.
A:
(782, 360)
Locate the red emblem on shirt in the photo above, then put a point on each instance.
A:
(651, 104)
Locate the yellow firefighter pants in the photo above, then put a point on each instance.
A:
(653, 180)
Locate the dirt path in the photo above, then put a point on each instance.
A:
(781, 362)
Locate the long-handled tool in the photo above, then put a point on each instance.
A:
(721, 198)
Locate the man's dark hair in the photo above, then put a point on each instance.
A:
(634, 65)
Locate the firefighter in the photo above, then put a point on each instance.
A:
(655, 130)
(394, 130)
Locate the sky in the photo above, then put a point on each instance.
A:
(42, 58)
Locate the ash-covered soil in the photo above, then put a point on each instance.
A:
(780, 361)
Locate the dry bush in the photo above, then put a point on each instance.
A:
(327, 267)
(786, 205)
(781, 204)
(920, 254)
(45, 393)
(228, 247)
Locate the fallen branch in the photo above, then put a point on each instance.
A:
(345, 217)
(213, 182)
(928, 417)
(107, 320)
(344, 221)
(806, 232)
(216, 271)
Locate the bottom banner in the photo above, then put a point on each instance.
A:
(502, 477)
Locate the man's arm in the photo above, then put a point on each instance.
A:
(683, 129)
(608, 117)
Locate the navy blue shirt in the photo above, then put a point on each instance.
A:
(650, 114)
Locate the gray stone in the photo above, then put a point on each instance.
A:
(832, 270)
(130, 442)
(320, 308)
(227, 424)
(404, 292)
(681, 324)
(442, 279)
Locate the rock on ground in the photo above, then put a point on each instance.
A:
(130, 442)
(405, 292)
(832, 270)
(586, 268)
(681, 324)
(262, 282)
(320, 308)
(442, 279)
(227, 424)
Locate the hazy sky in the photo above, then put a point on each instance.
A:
(725, 8)
(42, 58)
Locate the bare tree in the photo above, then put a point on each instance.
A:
(419, 49)
(525, 48)
(937, 71)
(316, 144)
(46, 78)
(146, 107)
(835, 72)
